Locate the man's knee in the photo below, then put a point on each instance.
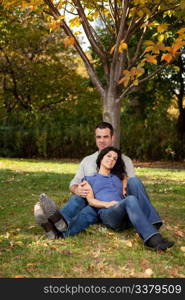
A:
(133, 181)
(131, 201)
(77, 200)
(90, 214)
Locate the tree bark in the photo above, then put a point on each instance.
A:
(111, 113)
(180, 97)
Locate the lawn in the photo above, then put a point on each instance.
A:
(97, 252)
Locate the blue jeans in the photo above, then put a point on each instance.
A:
(136, 188)
(126, 212)
(78, 215)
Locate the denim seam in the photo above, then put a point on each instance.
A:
(150, 236)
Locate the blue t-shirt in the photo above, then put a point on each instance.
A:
(106, 188)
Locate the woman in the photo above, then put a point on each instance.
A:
(114, 210)
(107, 191)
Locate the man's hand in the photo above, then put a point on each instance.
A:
(83, 189)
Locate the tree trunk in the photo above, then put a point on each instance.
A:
(111, 114)
(181, 124)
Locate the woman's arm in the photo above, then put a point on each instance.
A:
(95, 202)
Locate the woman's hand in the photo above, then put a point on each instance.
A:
(110, 203)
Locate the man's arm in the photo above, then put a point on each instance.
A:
(74, 189)
(129, 166)
(75, 186)
(87, 167)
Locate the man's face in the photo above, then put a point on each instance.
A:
(103, 138)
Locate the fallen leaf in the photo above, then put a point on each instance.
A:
(66, 252)
(20, 276)
(148, 272)
(19, 243)
(129, 244)
(182, 248)
(110, 233)
(179, 233)
(174, 272)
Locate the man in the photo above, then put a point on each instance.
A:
(77, 214)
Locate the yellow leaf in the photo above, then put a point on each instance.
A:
(176, 46)
(161, 37)
(181, 31)
(126, 72)
(60, 4)
(69, 41)
(148, 49)
(151, 25)
(24, 4)
(112, 49)
(149, 43)
(167, 57)
(162, 27)
(182, 248)
(124, 80)
(122, 46)
(140, 13)
(169, 13)
(155, 48)
(176, 68)
(77, 32)
(106, 12)
(150, 59)
(136, 82)
(140, 71)
(54, 25)
(75, 22)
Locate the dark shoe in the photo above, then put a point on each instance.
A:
(158, 243)
(164, 245)
(40, 219)
(158, 225)
(51, 212)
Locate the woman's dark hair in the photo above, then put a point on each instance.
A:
(119, 167)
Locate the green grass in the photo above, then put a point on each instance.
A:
(97, 252)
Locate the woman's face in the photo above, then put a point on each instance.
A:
(109, 160)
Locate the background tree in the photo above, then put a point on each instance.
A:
(42, 97)
(34, 72)
(124, 67)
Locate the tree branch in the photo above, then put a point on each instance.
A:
(67, 30)
(137, 52)
(90, 35)
(117, 56)
(88, 31)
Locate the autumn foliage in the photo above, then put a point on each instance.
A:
(140, 31)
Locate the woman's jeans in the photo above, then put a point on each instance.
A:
(78, 215)
(135, 208)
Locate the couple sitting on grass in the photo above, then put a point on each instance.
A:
(108, 199)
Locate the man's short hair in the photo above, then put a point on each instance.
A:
(103, 125)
